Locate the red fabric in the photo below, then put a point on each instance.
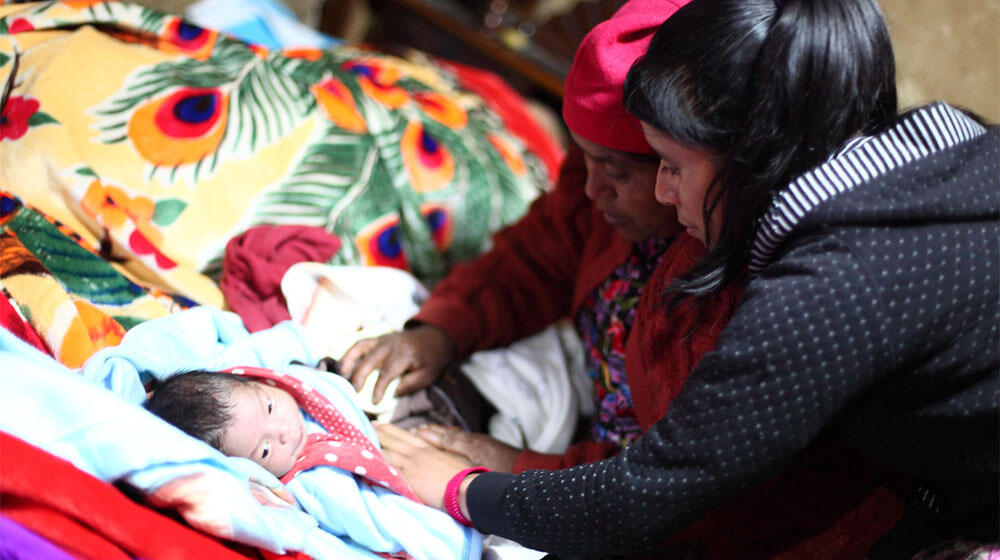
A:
(510, 106)
(74, 537)
(343, 446)
(829, 504)
(660, 351)
(542, 268)
(92, 519)
(268, 555)
(12, 320)
(256, 260)
(592, 98)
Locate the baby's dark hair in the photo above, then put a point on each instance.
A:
(197, 402)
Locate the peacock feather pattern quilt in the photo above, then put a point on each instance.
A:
(160, 140)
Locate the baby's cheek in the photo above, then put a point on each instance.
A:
(281, 468)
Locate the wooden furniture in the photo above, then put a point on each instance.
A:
(500, 35)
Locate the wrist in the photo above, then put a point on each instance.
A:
(449, 322)
(455, 490)
(463, 490)
(443, 340)
(435, 336)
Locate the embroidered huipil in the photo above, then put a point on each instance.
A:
(604, 321)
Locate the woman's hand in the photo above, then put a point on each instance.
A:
(478, 449)
(419, 355)
(427, 468)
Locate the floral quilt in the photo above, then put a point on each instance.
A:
(60, 294)
(158, 141)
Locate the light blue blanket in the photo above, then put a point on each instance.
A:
(94, 419)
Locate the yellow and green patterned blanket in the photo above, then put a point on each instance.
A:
(148, 142)
(62, 295)
(164, 140)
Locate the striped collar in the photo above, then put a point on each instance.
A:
(930, 129)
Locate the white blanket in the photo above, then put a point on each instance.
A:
(538, 385)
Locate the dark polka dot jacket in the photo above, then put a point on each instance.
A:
(872, 309)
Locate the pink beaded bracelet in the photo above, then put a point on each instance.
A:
(451, 494)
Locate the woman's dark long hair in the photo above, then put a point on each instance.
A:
(773, 89)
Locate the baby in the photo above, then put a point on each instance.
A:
(262, 414)
(237, 415)
(303, 426)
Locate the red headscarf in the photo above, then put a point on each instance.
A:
(592, 102)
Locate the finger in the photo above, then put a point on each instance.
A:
(434, 433)
(415, 380)
(395, 438)
(415, 429)
(438, 428)
(450, 438)
(368, 363)
(349, 361)
(420, 445)
(402, 460)
(389, 439)
(392, 368)
(395, 459)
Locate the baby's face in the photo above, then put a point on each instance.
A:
(266, 427)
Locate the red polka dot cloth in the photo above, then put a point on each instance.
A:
(343, 446)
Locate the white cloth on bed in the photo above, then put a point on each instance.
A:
(57, 410)
(538, 385)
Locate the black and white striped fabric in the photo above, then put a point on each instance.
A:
(927, 130)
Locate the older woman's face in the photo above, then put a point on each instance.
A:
(682, 182)
(621, 186)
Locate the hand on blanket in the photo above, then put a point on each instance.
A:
(427, 468)
(478, 449)
(418, 354)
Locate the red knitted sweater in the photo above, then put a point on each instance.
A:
(542, 268)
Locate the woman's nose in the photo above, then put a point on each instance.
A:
(665, 192)
(596, 184)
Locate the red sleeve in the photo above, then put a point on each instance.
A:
(526, 281)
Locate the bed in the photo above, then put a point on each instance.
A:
(157, 179)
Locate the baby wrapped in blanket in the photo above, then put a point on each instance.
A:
(262, 415)
(346, 506)
(296, 430)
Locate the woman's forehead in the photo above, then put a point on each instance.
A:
(601, 153)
